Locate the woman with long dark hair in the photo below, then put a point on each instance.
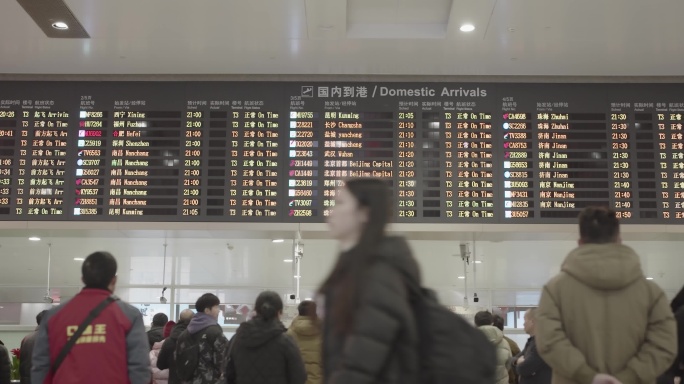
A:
(369, 332)
(261, 352)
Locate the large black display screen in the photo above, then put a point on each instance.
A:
(277, 152)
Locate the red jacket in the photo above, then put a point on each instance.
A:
(113, 349)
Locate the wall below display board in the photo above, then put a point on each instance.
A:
(510, 271)
(12, 335)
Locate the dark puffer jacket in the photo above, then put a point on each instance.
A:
(533, 370)
(264, 354)
(155, 334)
(677, 368)
(382, 346)
(166, 359)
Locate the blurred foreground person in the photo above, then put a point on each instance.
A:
(600, 320)
(369, 332)
(111, 347)
(261, 352)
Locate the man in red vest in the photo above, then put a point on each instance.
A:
(112, 348)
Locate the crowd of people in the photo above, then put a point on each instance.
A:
(599, 321)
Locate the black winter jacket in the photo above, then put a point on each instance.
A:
(382, 346)
(166, 359)
(155, 335)
(677, 368)
(5, 365)
(533, 370)
(263, 354)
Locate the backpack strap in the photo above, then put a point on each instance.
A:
(81, 328)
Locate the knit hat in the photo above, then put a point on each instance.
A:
(168, 327)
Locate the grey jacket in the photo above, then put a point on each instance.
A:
(382, 347)
(26, 355)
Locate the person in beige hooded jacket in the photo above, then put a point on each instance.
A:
(484, 322)
(600, 321)
(306, 332)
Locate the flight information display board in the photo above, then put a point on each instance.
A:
(278, 151)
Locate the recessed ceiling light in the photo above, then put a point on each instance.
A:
(478, 261)
(461, 277)
(467, 28)
(288, 260)
(78, 259)
(60, 25)
(649, 278)
(278, 240)
(34, 238)
(297, 277)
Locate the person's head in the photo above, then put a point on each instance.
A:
(209, 305)
(99, 271)
(160, 320)
(168, 328)
(269, 306)
(307, 308)
(362, 211)
(358, 221)
(186, 315)
(39, 317)
(498, 322)
(530, 321)
(598, 225)
(483, 318)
